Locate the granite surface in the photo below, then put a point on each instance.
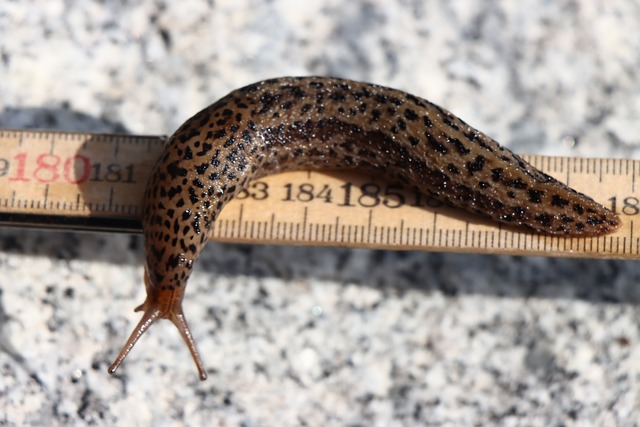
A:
(323, 336)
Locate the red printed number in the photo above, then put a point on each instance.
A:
(72, 168)
(22, 161)
(76, 169)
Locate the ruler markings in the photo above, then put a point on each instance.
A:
(277, 235)
(304, 222)
(241, 220)
(600, 170)
(226, 229)
(114, 169)
(52, 143)
(272, 219)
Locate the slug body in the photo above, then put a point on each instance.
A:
(327, 124)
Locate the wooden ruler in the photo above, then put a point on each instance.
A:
(95, 182)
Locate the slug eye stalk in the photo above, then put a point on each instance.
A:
(161, 308)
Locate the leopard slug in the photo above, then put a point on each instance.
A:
(327, 124)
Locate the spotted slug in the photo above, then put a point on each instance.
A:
(320, 123)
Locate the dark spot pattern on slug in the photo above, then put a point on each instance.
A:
(410, 115)
(316, 123)
(437, 145)
(560, 201)
(462, 149)
(535, 196)
(453, 169)
(176, 171)
(476, 166)
(544, 219)
(321, 123)
(519, 184)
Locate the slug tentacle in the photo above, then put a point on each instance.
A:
(328, 124)
(161, 305)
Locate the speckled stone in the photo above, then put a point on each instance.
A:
(323, 336)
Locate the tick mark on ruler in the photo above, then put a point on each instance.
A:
(273, 218)
(240, 220)
(111, 192)
(304, 222)
(116, 149)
